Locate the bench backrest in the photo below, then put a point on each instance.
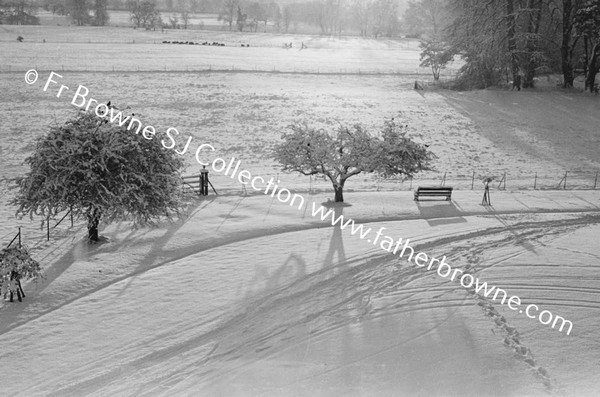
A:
(440, 189)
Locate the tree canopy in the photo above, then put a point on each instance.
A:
(435, 54)
(510, 38)
(143, 13)
(99, 169)
(349, 151)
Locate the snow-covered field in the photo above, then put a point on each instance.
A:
(246, 296)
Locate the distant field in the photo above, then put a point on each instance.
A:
(125, 49)
(244, 114)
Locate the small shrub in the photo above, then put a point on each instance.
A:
(16, 264)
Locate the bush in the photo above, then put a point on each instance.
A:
(16, 264)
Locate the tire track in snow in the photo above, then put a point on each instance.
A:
(369, 280)
(330, 301)
(260, 233)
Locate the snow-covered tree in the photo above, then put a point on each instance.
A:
(350, 151)
(587, 25)
(435, 54)
(100, 170)
(16, 264)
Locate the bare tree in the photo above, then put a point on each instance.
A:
(185, 19)
(228, 12)
(425, 17)
(361, 11)
(19, 12)
(287, 17)
(143, 13)
(174, 21)
(256, 13)
(100, 17)
(80, 11)
(240, 20)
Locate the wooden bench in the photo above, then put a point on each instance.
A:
(433, 191)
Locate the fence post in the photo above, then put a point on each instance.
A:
(596, 180)
(535, 182)
(563, 181)
(19, 236)
(503, 182)
(48, 228)
(473, 180)
(443, 183)
(71, 212)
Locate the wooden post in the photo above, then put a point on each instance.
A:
(48, 228)
(596, 180)
(19, 236)
(535, 182)
(473, 180)
(503, 182)
(443, 183)
(563, 181)
(71, 212)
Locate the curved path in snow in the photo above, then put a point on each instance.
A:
(314, 312)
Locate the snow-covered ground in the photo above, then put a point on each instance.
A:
(246, 296)
(284, 305)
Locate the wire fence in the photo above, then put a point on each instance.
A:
(46, 238)
(565, 180)
(419, 73)
(49, 237)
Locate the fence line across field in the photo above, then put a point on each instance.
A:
(566, 180)
(40, 235)
(213, 68)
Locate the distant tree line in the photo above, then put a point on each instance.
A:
(373, 18)
(18, 12)
(81, 12)
(367, 18)
(516, 39)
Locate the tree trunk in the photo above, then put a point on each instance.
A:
(339, 193)
(533, 30)
(511, 20)
(565, 49)
(93, 221)
(586, 61)
(593, 68)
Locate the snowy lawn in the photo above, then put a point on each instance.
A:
(333, 314)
